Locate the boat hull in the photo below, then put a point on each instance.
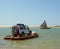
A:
(20, 38)
(45, 28)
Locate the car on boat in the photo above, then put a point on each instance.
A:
(21, 32)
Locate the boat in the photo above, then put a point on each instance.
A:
(10, 37)
(44, 25)
(24, 33)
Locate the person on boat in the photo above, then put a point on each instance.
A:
(13, 30)
(17, 32)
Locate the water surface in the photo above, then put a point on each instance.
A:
(48, 39)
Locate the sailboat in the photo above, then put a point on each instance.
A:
(44, 25)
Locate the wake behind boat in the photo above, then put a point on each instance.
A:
(44, 25)
(21, 32)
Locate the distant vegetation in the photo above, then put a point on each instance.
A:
(57, 26)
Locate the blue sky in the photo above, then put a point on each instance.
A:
(29, 12)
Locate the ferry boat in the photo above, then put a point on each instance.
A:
(21, 32)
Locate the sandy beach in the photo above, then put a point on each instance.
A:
(5, 26)
(29, 26)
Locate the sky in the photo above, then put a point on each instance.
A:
(29, 12)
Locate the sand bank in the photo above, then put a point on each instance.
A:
(29, 26)
(5, 26)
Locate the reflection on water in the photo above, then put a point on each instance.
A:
(48, 39)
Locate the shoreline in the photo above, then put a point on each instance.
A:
(5, 26)
(31, 26)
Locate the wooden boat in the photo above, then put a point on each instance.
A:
(10, 37)
(44, 25)
(21, 32)
(45, 28)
